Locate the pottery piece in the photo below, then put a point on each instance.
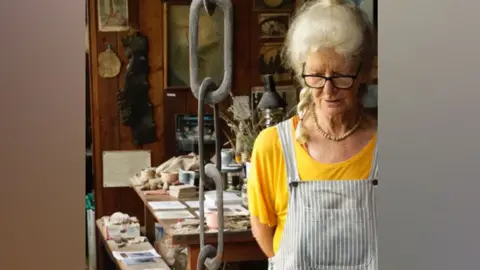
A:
(244, 193)
(186, 177)
(247, 169)
(190, 163)
(169, 178)
(212, 220)
(148, 173)
(226, 157)
(118, 218)
(164, 165)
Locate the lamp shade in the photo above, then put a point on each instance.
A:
(270, 98)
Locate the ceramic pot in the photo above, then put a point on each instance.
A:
(169, 178)
(186, 177)
(212, 220)
(244, 193)
(247, 169)
(227, 157)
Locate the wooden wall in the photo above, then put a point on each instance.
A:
(109, 134)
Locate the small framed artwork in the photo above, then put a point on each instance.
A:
(112, 15)
(273, 25)
(269, 62)
(273, 5)
(176, 39)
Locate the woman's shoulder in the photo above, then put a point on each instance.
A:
(268, 140)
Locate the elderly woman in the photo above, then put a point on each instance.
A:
(311, 184)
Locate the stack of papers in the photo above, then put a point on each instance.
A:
(141, 256)
(177, 214)
(229, 198)
(166, 205)
(183, 191)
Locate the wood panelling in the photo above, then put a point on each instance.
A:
(110, 134)
(183, 101)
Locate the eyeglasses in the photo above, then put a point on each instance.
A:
(339, 81)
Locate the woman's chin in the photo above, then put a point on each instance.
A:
(334, 111)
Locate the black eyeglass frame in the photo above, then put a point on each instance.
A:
(330, 78)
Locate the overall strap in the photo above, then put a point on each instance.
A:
(374, 170)
(285, 133)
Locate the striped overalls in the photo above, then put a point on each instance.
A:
(331, 224)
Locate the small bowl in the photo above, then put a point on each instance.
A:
(170, 177)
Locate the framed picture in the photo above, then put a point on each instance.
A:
(113, 15)
(287, 92)
(269, 62)
(273, 25)
(273, 5)
(210, 45)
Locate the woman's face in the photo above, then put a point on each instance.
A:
(333, 98)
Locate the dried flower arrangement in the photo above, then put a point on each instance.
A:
(244, 125)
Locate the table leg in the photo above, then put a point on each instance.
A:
(193, 252)
(101, 254)
(149, 225)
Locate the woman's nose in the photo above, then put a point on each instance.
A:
(328, 88)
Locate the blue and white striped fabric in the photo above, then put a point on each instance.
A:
(331, 224)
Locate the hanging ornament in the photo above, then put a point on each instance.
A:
(108, 63)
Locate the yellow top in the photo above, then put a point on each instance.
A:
(267, 186)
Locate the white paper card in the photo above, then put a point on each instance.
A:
(173, 214)
(242, 107)
(193, 204)
(135, 255)
(120, 166)
(165, 205)
(131, 262)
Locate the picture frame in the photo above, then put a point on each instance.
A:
(176, 45)
(113, 15)
(273, 5)
(273, 25)
(269, 62)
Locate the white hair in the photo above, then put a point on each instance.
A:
(326, 24)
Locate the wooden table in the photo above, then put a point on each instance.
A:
(111, 247)
(238, 245)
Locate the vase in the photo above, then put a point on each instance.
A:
(247, 169)
(245, 157)
(244, 193)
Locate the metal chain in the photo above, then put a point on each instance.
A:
(207, 92)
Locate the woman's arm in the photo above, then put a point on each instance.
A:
(264, 236)
(261, 192)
